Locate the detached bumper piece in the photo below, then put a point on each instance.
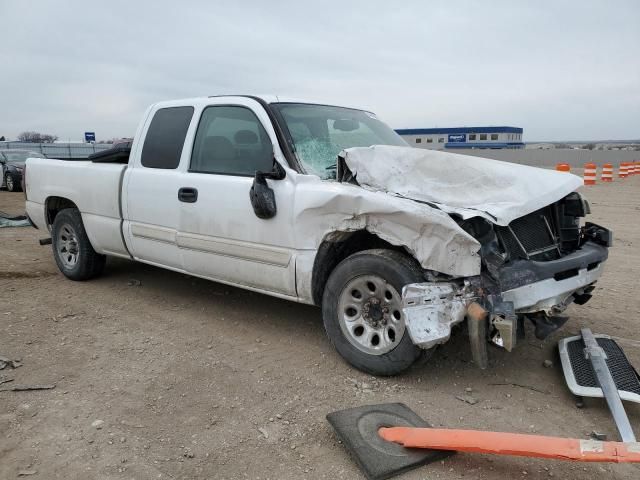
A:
(595, 366)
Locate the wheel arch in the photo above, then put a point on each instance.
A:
(335, 247)
(54, 205)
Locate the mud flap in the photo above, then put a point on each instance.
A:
(378, 459)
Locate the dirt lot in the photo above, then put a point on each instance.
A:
(194, 379)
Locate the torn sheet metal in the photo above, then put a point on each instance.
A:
(470, 186)
(431, 309)
(429, 234)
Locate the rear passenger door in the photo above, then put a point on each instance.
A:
(220, 235)
(153, 184)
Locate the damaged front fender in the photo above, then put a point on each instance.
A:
(430, 235)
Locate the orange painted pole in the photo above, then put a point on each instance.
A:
(513, 444)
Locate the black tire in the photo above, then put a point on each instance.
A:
(88, 263)
(12, 183)
(398, 270)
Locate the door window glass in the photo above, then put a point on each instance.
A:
(231, 140)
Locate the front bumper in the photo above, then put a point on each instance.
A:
(548, 286)
(551, 296)
(525, 272)
(432, 308)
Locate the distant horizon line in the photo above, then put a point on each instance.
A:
(570, 142)
(631, 141)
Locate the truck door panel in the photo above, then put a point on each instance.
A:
(153, 207)
(220, 235)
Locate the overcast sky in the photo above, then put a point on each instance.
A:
(562, 70)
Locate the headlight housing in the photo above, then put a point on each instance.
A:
(575, 205)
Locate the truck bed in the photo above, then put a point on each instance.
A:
(93, 187)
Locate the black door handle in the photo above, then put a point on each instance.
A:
(188, 195)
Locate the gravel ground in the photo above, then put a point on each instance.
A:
(161, 375)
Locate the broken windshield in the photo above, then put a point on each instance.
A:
(320, 132)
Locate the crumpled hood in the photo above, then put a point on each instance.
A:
(463, 184)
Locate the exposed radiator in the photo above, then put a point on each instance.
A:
(531, 237)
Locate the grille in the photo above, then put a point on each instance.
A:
(532, 233)
(623, 373)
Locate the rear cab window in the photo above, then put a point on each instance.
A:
(165, 137)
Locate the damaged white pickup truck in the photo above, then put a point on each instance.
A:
(328, 206)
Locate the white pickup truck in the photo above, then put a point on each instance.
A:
(327, 205)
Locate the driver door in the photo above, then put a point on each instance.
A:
(220, 235)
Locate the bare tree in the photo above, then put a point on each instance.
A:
(2, 139)
(590, 146)
(35, 137)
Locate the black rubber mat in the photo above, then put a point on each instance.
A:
(623, 373)
(378, 459)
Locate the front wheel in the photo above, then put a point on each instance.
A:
(362, 311)
(72, 250)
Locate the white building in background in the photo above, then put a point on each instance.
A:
(463, 137)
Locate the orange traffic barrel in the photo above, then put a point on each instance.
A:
(623, 170)
(607, 173)
(563, 167)
(590, 172)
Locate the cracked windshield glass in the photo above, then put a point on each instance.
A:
(321, 132)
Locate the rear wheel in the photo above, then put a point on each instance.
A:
(362, 311)
(11, 183)
(72, 250)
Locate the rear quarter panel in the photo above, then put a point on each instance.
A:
(93, 187)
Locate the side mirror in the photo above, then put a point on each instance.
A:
(263, 199)
(277, 172)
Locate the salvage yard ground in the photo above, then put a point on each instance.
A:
(162, 375)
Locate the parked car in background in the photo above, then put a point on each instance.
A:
(12, 162)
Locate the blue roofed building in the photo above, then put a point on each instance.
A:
(463, 137)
